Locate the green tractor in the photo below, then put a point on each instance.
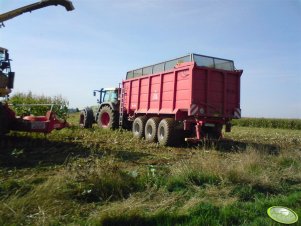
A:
(107, 113)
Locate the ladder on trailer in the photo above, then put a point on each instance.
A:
(121, 107)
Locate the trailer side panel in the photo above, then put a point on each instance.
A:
(199, 91)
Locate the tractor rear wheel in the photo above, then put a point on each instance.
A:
(166, 132)
(151, 129)
(138, 126)
(86, 118)
(107, 118)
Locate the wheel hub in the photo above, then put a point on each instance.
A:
(105, 119)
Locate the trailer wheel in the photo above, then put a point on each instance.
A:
(86, 118)
(166, 132)
(151, 128)
(107, 119)
(138, 126)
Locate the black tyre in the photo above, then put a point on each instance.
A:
(107, 118)
(166, 132)
(138, 126)
(86, 118)
(151, 128)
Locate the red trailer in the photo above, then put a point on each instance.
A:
(190, 97)
(193, 95)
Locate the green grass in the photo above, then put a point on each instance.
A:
(98, 177)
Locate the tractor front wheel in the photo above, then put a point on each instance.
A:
(86, 118)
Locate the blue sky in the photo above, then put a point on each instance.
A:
(56, 52)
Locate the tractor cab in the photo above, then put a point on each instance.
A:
(6, 75)
(3, 57)
(107, 95)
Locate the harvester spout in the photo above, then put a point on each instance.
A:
(38, 5)
(66, 3)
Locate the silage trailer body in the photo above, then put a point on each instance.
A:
(202, 93)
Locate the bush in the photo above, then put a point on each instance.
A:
(27, 103)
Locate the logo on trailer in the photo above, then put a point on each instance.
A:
(155, 95)
(38, 125)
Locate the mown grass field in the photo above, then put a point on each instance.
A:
(97, 177)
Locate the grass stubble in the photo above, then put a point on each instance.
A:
(97, 177)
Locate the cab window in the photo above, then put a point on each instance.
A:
(106, 97)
